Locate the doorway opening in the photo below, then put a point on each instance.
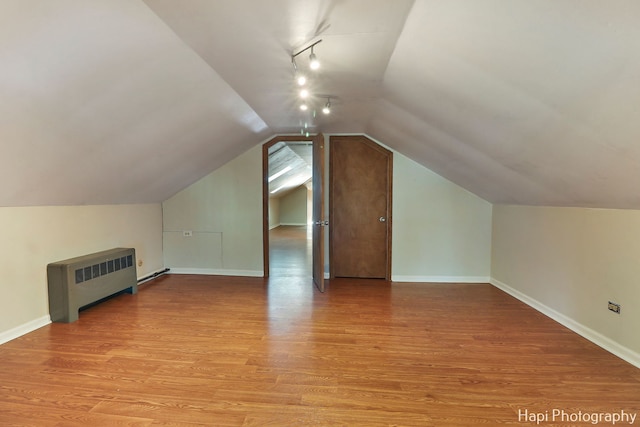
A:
(287, 194)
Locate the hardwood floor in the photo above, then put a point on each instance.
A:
(290, 251)
(231, 351)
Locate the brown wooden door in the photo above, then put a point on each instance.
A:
(360, 208)
(318, 217)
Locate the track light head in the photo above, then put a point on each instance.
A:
(327, 107)
(301, 79)
(314, 64)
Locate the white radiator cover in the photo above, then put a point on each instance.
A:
(77, 282)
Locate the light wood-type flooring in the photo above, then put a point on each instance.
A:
(290, 252)
(230, 351)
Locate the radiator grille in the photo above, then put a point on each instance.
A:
(101, 269)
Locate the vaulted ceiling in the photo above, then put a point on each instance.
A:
(129, 101)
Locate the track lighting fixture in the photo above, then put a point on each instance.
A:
(314, 64)
(308, 104)
(327, 107)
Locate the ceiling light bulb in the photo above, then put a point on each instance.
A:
(314, 64)
(303, 107)
(301, 79)
(327, 107)
(304, 93)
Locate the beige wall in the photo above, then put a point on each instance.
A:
(293, 207)
(441, 232)
(568, 263)
(223, 212)
(33, 237)
(274, 212)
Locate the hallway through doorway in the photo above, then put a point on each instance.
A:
(290, 251)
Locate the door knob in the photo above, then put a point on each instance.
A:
(382, 219)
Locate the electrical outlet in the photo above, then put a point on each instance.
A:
(614, 307)
(187, 233)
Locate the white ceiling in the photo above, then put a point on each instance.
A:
(129, 101)
(290, 166)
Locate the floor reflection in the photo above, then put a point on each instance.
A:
(290, 288)
(290, 252)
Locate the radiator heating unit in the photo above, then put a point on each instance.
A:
(77, 282)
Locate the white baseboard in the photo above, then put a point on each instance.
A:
(23, 329)
(216, 272)
(595, 337)
(441, 279)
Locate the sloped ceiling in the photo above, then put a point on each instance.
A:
(129, 101)
(101, 103)
(290, 166)
(526, 102)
